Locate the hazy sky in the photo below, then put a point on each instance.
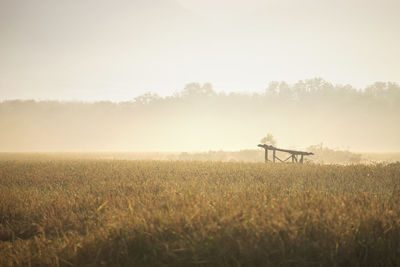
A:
(116, 50)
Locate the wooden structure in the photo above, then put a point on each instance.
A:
(293, 154)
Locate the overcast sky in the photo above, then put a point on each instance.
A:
(115, 50)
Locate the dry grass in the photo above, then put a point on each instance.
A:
(135, 213)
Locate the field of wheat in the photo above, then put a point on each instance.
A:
(76, 212)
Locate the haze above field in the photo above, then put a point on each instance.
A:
(195, 57)
(116, 50)
(199, 119)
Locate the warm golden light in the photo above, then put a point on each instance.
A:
(116, 51)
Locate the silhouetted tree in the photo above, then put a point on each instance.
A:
(269, 140)
(196, 90)
(147, 98)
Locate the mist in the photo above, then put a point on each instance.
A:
(188, 75)
(197, 118)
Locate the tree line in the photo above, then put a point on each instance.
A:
(199, 118)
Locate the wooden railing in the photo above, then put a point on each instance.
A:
(293, 154)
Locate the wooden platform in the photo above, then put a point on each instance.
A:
(293, 154)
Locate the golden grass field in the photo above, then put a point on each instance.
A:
(87, 212)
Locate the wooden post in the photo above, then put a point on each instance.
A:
(266, 155)
(301, 159)
(273, 155)
(292, 158)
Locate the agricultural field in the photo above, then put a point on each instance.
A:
(91, 212)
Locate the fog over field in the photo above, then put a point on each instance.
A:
(198, 119)
(186, 75)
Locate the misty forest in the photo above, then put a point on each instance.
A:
(198, 118)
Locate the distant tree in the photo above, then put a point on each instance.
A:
(147, 98)
(324, 154)
(376, 90)
(285, 91)
(195, 89)
(269, 140)
(383, 92)
(272, 88)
